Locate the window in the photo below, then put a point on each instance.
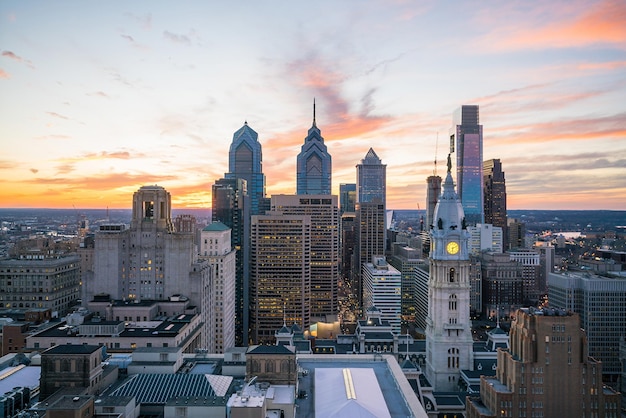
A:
(452, 275)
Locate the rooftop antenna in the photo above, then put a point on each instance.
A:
(436, 147)
(314, 112)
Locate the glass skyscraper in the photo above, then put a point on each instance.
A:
(466, 144)
(314, 164)
(495, 195)
(371, 179)
(245, 161)
(347, 197)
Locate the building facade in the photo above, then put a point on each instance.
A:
(600, 302)
(149, 260)
(433, 190)
(46, 283)
(347, 197)
(448, 327)
(323, 211)
(231, 206)
(466, 144)
(382, 285)
(314, 164)
(280, 274)
(485, 237)
(216, 248)
(495, 195)
(547, 372)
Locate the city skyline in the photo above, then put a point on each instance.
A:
(99, 101)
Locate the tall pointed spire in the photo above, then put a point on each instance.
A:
(314, 124)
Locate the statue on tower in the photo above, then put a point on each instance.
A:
(449, 164)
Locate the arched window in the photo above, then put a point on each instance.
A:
(452, 275)
(269, 366)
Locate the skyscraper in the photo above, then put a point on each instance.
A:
(381, 289)
(314, 164)
(371, 190)
(324, 214)
(466, 144)
(495, 195)
(245, 161)
(433, 190)
(231, 206)
(280, 274)
(149, 260)
(347, 197)
(371, 179)
(448, 332)
(216, 248)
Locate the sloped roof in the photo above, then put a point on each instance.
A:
(333, 398)
(216, 227)
(158, 388)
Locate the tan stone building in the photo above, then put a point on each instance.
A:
(546, 373)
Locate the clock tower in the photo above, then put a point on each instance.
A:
(448, 328)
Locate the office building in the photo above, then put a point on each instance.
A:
(324, 214)
(495, 195)
(433, 190)
(406, 260)
(216, 248)
(502, 284)
(370, 235)
(371, 220)
(231, 206)
(600, 302)
(516, 231)
(348, 245)
(466, 145)
(245, 161)
(547, 372)
(48, 282)
(371, 179)
(148, 261)
(530, 260)
(382, 285)
(314, 164)
(448, 327)
(485, 237)
(280, 274)
(347, 197)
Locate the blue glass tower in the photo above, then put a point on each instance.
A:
(314, 164)
(371, 179)
(245, 161)
(466, 144)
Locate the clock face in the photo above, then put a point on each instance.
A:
(452, 247)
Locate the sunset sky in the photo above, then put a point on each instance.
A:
(100, 98)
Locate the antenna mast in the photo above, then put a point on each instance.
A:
(436, 148)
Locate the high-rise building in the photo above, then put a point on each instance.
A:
(347, 197)
(547, 372)
(406, 260)
(370, 235)
(371, 221)
(466, 144)
(516, 234)
(280, 274)
(448, 327)
(216, 248)
(245, 161)
(382, 285)
(348, 244)
(485, 237)
(149, 260)
(530, 260)
(314, 164)
(600, 302)
(371, 179)
(324, 213)
(231, 206)
(433, 190)
(502, 284)
(495, 195)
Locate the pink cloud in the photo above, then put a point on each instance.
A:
(4, 74)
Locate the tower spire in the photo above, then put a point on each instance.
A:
(314, 112)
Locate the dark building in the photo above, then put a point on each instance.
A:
(231, 206)
(495, 196)
(347, 197)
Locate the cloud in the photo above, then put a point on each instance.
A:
(176, 38)
(98, 93)
(15, 57)
(101, 182)
(7, 165)
(594, 23)
(34, 170)
(4, 74)
(128, 38)
(145, 21)
(57, 115)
